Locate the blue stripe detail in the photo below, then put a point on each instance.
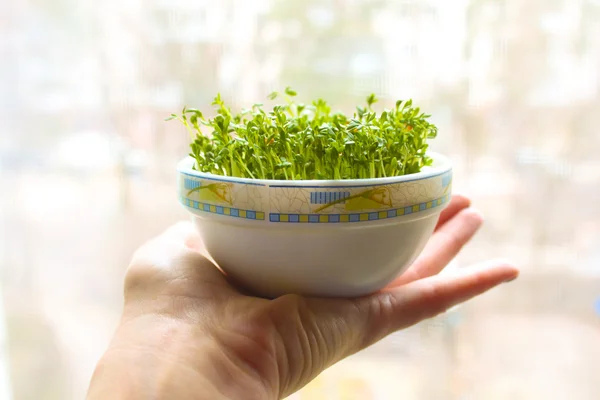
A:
(207, 178)
(327, 197)
(190, 184)
(447, 179)
(341, 187)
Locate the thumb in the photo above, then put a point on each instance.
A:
(175, 264)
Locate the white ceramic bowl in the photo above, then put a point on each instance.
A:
(318, 238)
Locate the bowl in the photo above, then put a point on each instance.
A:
(326, 238)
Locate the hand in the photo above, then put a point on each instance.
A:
(186, 333)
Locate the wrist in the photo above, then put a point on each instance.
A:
(150, 358)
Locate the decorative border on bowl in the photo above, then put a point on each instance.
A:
(313, 204)
(221, 210)
(357, 217)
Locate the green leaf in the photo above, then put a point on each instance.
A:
(285, 164)
(290, 92)
(298, 141)
(194, 120)
(371, 99)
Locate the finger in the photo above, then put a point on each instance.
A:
(348, 326)
(459, 202)
(443, 246)
(172, 264)
(356, 324)
(432, 296)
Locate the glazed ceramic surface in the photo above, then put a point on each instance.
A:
(319, 238)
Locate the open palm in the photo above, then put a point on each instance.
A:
(275, 347)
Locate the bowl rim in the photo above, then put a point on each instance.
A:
(441, 165)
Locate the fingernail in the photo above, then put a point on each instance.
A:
(510, 280)
(478, 215)
(462, 195)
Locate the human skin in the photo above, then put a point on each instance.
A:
(187, 333)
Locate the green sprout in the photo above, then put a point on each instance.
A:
(296, 141)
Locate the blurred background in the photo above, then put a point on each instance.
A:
(87, 170)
